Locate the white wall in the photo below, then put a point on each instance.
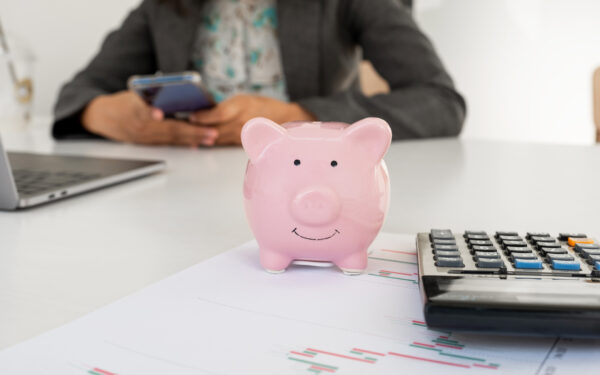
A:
(63, 34)
(524, 65)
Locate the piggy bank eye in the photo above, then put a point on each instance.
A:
(296, 162)
(333, 163)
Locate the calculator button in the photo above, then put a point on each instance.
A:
(480, 243)
(565, 265)
(514, 249)
(537, 234)
(589, 252)
(442, 253)
(549, 244)
(593, 258)
(441, 234)
(560, 257)
(589, 246)
(442, 241)
(467, 232)
(528, 264)
(553, 250)
(489, 263)
(515, 243)
(598, 265)
(524, 256)
(483, 248)
(502, 233)
(445, 247)
(477, 237)
(520, 250)
(487, 254)
(509, 238)
(572, 241)
(505, 237)
(565, 236)
(449, 262)
(542, 238)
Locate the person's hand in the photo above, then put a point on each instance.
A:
(125, 117)
(229, 116)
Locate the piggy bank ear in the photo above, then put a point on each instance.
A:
(373, 135)
(258, 133)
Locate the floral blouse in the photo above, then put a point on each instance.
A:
(237, 49)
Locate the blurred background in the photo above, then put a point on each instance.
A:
(524, 66)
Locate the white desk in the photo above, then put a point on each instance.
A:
(65, 259)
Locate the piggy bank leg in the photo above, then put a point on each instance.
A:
(354, 264)
(274, 261)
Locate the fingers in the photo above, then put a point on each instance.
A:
(222, 113)
(183, 134)
(157, 114)
(230, 133)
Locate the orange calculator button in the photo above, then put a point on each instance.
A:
(573, 241)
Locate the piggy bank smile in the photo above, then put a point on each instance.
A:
(335, 231)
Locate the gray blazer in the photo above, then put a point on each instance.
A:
(321, 43)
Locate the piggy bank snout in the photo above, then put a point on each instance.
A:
(316, 206)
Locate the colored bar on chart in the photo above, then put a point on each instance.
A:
(369, 352)
(393, 260)
(312, 363)
(304, 354)
(422, 344)
(485, 366)
(98, 371)
(341, 355)
(449, 346)
(399, 252)
(396, 273)
(321, 368)
(463, 357)
(429, 360)
(424, 347)
(448, 341)
(383, 274)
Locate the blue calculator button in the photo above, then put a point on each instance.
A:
(565, 265)
(528, 263)
(598, 264)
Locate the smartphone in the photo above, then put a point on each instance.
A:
(176, 94)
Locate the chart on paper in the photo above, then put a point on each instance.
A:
(228, 316)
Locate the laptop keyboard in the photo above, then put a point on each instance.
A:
(32, 182)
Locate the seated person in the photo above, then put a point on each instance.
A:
(286, 60)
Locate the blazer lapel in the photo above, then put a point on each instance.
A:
(176, 35)
(300, 45)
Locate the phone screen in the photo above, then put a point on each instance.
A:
(172, 94)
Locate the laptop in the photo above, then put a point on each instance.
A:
(28, 179)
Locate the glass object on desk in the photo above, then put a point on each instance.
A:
(16, 83)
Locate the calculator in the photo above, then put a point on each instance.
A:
(510, 283)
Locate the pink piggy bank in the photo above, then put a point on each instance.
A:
(316, 191)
